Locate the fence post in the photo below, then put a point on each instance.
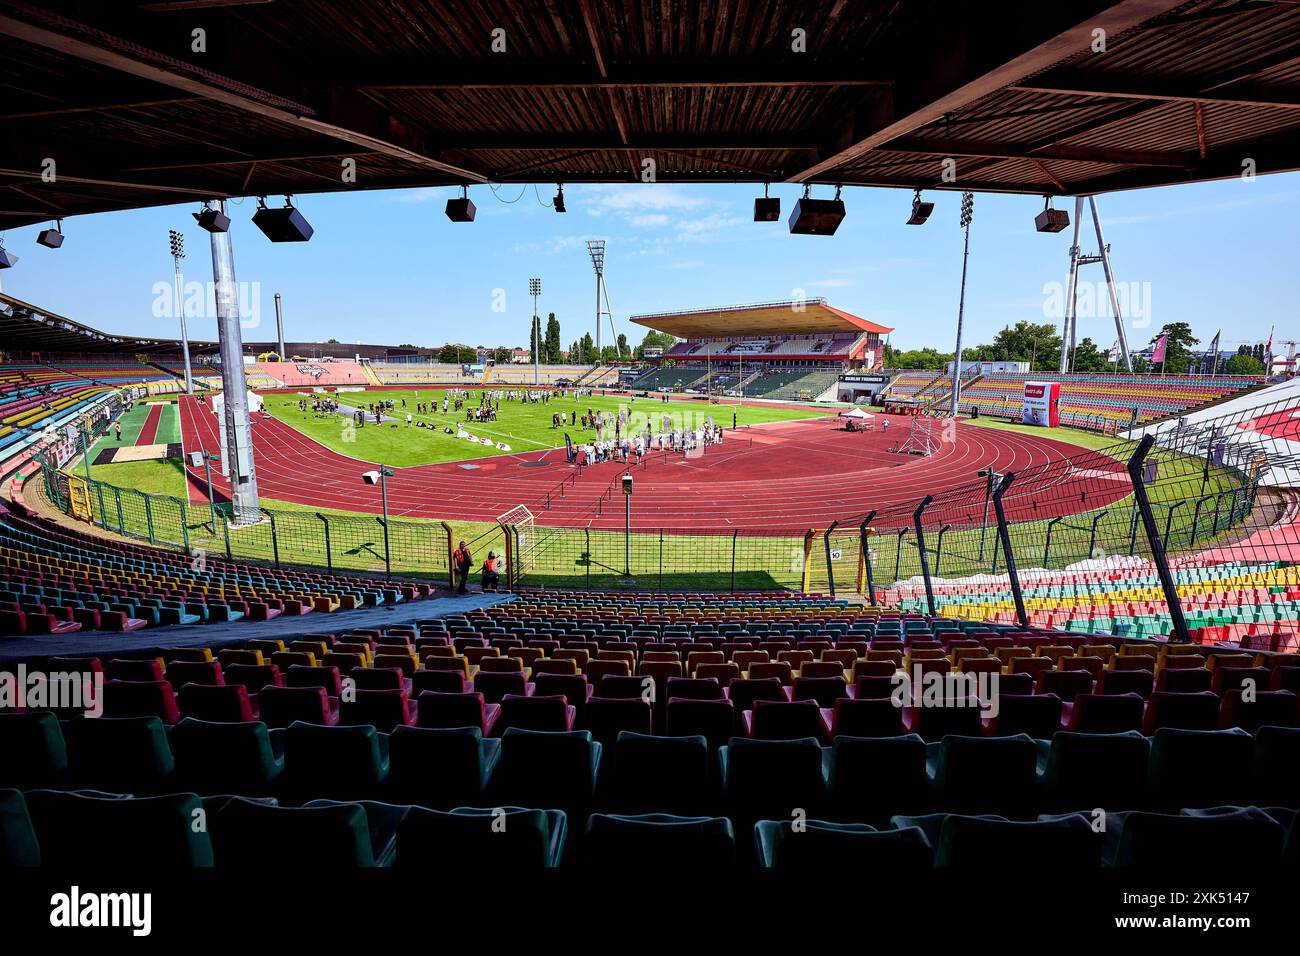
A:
(735, 532)
(587, 533)
(806, 581)
(103, 515)
(185, 525)
(1169, 520)
(510, 555)
(1092, 540)
(1047, 544)
(1218, 505)
(938, 548)
(1196, 519)
(148, 515)
(225, 526)
(121, 524)
(920, 550)
(388, 560)
(1153, 537)
(275, 538)
(329, 557)
(1133, 529)
(898, 553)
(830, 572)
(864, 555)
(661, 558)
(1004, 536)
(451, 550)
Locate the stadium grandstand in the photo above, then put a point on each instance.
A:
(1097, 401)
(359, 609)
(795, 349)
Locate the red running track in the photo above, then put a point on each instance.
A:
(149, 430)
(778, 476)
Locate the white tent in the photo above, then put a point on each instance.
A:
(856, 413)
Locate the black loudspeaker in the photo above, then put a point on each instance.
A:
(920, 212)
(460, 210)
(816, 217)
(1052, 220)
(213, 220)
(767, 210)
(283, 225)
(7, 259)
(50, 238)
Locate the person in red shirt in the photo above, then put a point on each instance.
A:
(463, 561)
(491, 571)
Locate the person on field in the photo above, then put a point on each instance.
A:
(117, 426)
(491, 571)
(463, 561)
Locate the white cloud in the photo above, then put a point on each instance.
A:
(650, 219)
(832, 283)
(627, 199)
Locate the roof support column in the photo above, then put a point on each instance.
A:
(237, 455)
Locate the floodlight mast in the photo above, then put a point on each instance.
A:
(596, 248)
(178, 253)
(535, 289)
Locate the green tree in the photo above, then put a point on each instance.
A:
(456, 354)
(1036, 343)
(501, 356)
(922, 359)
(1178, 349)
(1089, 358)
(536, 347)
(551, 341)
(586, 350)
(653, 339)
(622, 346)
(1243, 363)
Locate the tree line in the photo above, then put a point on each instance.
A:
(1040, 346)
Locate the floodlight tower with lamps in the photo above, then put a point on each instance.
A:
(535, 289)
(967, 213)
(596, 247)
(178, 253)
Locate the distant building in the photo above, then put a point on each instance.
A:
(520, 357)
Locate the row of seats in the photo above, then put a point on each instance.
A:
(54, 580)
(1224, 602)
(156, 832)
(855, 780)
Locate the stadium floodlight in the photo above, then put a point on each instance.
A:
(52, 238)
(920, 210)
(177, 243)
(211, 219)
(1051, 220)
(461, 210)
(285, 224)
(816, 217)
(7, 259)
(558, 201)
(767, 209)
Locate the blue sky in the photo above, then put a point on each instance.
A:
(389, 267)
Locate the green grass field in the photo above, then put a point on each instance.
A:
(524, 427)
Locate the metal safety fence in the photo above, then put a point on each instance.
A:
(1169, 493)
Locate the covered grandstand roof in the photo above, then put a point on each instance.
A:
(29, 328)
(766, 318)
(1026, 96)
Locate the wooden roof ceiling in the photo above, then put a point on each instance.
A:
(884, 91)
